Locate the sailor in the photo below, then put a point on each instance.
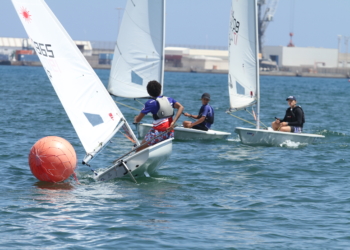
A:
(162, 109)
(294, 119)
(205, 117)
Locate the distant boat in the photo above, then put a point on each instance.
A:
(243, 81)
(139, 58)
(93, 113)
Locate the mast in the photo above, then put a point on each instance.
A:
(163, 54)
(257, 66)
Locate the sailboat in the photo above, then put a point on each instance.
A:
(93, 113)
(139, 58)
(243, 78)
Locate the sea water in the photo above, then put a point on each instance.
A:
(217, 194)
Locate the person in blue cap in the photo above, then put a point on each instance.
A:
(205, 117)
(294, 119)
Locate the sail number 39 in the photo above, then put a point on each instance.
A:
(234, 24)
(44, 49)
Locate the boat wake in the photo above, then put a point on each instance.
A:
(326, 132)
(234, 139)
(292, 144)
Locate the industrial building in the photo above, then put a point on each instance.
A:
(297, 60)
(277, 60)
(197, 60)
(301, 57)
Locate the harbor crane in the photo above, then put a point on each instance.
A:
(266, 11)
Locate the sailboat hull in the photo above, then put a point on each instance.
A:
(182, 133)
(260, 137)
(141, 164)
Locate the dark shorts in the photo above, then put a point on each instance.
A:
(200, 127)
(294, 129)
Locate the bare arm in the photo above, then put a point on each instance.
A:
(139, 117)
(192, 116)
(180, 109)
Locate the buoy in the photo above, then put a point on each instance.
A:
(52, 159)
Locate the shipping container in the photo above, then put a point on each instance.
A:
(28, 58)
(23, 52)
(4, 57)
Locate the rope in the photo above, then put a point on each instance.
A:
(128, 137)
(255, 118)
(263, 124)
(242, 119)
(131, 107)
(127, 106)
(139, 102)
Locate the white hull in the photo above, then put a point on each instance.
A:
(260, 137)
(141, 164)
(182, 133)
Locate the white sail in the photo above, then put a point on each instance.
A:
(139, 51)
(243, 78)
(89, 107)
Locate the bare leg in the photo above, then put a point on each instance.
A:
(186, 124)
(275, 125)
(286, 129)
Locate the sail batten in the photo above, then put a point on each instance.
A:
(243, 65)
(92, 111)
(139, 49)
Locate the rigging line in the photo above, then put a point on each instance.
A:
(242, 119)
(250, 113)
(131, 107)
(127, 106)
(263, 124)
(253, 116)
(139, 102)
(128, 137)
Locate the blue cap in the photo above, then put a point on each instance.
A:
(206, 96)
(291, 97)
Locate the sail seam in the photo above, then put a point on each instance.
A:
(116, 44)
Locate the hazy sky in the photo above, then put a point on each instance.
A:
(197, 22)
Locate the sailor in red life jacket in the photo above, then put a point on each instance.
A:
(162, 109)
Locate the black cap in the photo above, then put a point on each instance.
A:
(206, 96)
(291, 97)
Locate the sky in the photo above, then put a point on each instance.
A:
(316, 23)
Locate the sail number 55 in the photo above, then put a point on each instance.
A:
(44, 49)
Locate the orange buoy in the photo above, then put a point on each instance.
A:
(52, 159)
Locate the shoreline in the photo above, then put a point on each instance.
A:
(211, 71)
